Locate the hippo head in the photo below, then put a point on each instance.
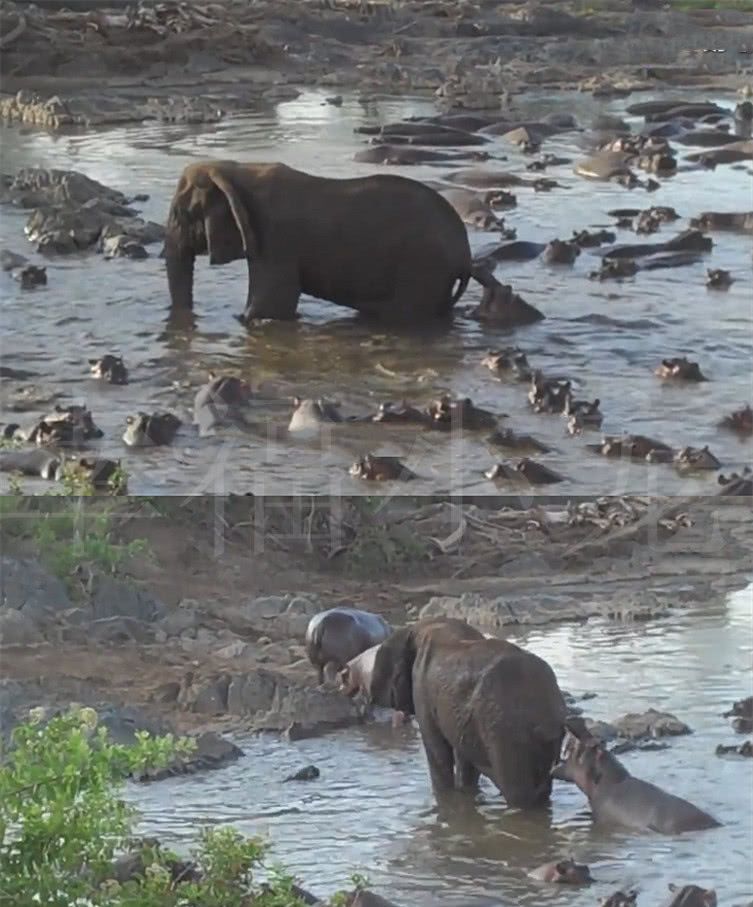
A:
(229, 389)
(691, 896)
(585, 760)
(569, 872)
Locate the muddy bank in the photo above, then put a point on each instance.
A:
(202, 627)
(201, 63)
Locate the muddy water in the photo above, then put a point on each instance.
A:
(607, 337)
(371, 811)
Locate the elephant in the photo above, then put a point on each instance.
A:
(483, 706)
(387, 246)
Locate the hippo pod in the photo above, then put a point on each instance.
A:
(381, 469)
(527, 470)
(223, 400)
(67, 426)
(151, 429)
(336, 636)
(110, 369)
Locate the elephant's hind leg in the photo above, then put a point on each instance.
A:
(439, 755)
(273, 292)
(466, 774)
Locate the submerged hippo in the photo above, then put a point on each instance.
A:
(151, 429)
(502, 307)
(615, 796)
(558, 252)
(31, 276)
(690, 459)
(527, 470)
(549, 395)
(477, 178)
(605, 165)
(109, 368)
(336, 636)
(401, 413)
(729, 154)
(590, 239)
(219, 402)
(509, 440)
(67, 426)
(718, 279)
(736, 484)
(615, 268)
(681, 369)
(407, 155)
(563, 872)
(582, 414)
(690, 896)
(309, 415)
(636, 447)
(686, 241)
(447, 414)
(99, 472)
(709, 221)
(740, 421)
(381, 469)
(35, 462)
(473, 209)
(509, 361)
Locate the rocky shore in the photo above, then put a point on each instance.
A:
(191, 63)
(201, 636)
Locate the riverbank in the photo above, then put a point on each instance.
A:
(192, 613)
(202, 62)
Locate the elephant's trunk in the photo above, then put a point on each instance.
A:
(180, 260)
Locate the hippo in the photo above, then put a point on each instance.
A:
(744, 112)
(690, 459)
(740, 421)
(530, 471)
(707, 138)
(99, 472)
(548, 395)
(566, 872)
(742, 708)
(407, 155)
(448, 414)
(729, 154)
(336, 636)
(718, 279)
(647, 222)
(615, 796)
(547, 160)
(36, 462)
(738, 485)
(510, 360)
(10, 261)
(517, 250)
(476, 178)
(31, 276)
(67, 426)
(151, 429)
(680, 368)
(109, 368)
(221, 401)
(473, 210)
(690, 896)
(686, 241)
(589, 239)
(709, 221)
(508, 439)
(402, 414)
(500, 306)
(691, 111)
(381, 469)
(744, 749)
(581, 414)
(310, 415)
(636, 447)
(617, 268)
(621, 899)
(454, 138)
(468, 122)
(605, 165)
(558, 252)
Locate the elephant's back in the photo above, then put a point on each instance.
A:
(531, 684)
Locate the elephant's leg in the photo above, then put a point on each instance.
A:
(440, 757)
(273, 291)
(466, 773)
(521, 771)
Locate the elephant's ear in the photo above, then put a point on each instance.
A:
(392, 676)
(238, 209)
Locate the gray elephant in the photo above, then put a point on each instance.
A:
(336, 636)
(484, 707)
(387, 246)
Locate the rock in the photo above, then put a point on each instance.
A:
(9, 261)
(651, 723)
(249, 694)
(119, 630)
(166, 692)
(123, 722)
(16, 629)
(235, 649)
(27, 587)
(115, 598)
(212, 751)
(130, 867)
(281, 616)
(212, 699)
(306, 711)
(76, 617)
(601, 729)
(309, 773)
(368, 899)
(628, 746)
(745, 749)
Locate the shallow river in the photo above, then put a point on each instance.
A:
(608, 337)
(372, 811)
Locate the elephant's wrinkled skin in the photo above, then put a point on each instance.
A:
(340, 634)
(616, 797)
(385, 245)
(484, 706)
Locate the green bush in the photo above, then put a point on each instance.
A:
(62, 824)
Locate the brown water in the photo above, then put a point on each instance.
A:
(607, 337)
(372, 810)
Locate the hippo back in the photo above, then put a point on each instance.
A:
(340, 634)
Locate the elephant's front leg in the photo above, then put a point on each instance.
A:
(273, 291)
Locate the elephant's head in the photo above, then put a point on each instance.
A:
(212, 211)
(585, 760)
(392, 677)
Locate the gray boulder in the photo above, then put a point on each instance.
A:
(251, 693)
(178, 620)
(310, 711)
(119, 630)
(281, 616)
(16, 629)
(114, 598)
(652, 723)
(37, 186)
(27, 587)
(212, 751)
